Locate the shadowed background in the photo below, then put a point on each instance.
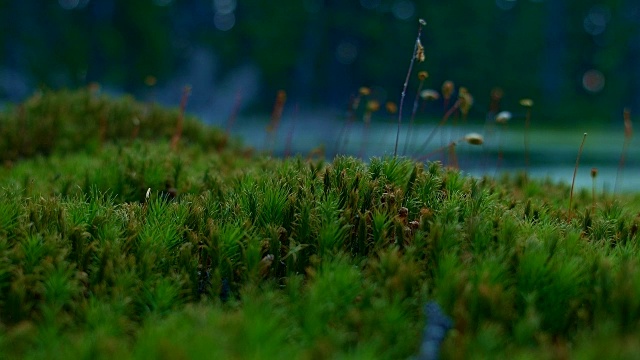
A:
(577, 59)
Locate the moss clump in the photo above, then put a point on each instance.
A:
(233, 256)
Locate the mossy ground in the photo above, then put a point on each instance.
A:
(240, 256)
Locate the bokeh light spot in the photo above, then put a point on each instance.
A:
(596, 20)
(346, 52)
(403, 9)
(224, 22)
(224, 6)
(593, 81)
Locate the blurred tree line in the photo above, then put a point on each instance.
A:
(578, 59)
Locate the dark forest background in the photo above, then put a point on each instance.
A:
(579, 60)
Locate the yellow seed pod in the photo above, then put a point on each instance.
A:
(474, 139)
(526, 103)
(392, 108)
(423, 75)
(373, 106)
(364, 91)
(419, 51)
(503, 117)
(466, 100)
(150, 80)
(429, 94)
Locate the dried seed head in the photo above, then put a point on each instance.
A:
(265, 264)
(466, 100)
(594, 172)
(373, 106)
(391, 107)
(474, 139)
(414, 225)
(429, 94)
(447, 89)
(364, 91)
(419, 51)
(426, 212)
(422, 22)
(503, 117)
(388, 198)
(403, 212)
(150, 80)
(423, 75)
(496, 93)
(526, 103)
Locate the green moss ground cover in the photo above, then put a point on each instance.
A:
(233, 255)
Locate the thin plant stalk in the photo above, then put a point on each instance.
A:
(175, 139)
(418, 52)
(575, 171)
(344, 130)
(453, 159)
(473, 139)
(628, 133)
(234, 113)
(502, 118)
(500, 151)
(528, 104)
(594, 173)
(440, 124)
(354, 105)
(413, 114)
(527, 123)
(276, 117)
(288, 142)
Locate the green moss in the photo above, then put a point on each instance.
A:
(233, 256)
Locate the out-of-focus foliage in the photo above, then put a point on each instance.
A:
(577, 59)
